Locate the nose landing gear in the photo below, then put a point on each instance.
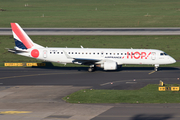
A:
(156, 67)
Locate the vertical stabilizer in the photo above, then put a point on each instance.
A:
(22, 40)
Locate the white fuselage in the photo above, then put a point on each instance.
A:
(120, 56)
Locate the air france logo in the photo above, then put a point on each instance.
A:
(138, 55)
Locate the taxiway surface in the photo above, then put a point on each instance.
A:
(39, 90)
(79, 76)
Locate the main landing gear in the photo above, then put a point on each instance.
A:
(91, 68)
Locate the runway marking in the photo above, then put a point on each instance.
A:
(32, 75)
(115, 82)
(14, 112)
(152, 72)
(132, 81)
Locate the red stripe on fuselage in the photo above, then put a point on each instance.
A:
(21, 36)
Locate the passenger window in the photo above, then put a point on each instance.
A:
(79, 53)
(94, 53)
(106, 53)
(117, 53)
(121, 53)
(61, 52)
(69, 52)
(57, 52)
(98, 53)
(124, 53)
(50, 52)
(110, 53)
(90, 53)
(54, 52)
(75, 52)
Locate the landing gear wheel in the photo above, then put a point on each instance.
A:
(91, 69)
(156, 68)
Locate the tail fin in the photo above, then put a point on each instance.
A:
(22, 40)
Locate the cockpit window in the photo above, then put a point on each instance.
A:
(163, 54)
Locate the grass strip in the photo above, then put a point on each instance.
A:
(147, 94)
(90, 13)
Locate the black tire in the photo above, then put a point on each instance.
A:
(90, 69)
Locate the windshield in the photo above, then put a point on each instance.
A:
(163, 54)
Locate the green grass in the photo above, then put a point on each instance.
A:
(90, 13)
(148, 94)
(169, 44)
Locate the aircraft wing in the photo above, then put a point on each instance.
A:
(86, 61)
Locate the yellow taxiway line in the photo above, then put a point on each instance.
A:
(152, 72)
(14, 112)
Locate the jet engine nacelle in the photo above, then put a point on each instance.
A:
(108, 65)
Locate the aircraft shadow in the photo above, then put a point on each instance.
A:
(49, 65)
(149, 68)
(152, 117)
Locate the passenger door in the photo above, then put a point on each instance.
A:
(153, 55)
(45, 53)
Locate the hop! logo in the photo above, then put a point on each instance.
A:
(138, 55)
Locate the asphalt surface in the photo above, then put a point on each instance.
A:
(39, 88)
(125, 78)
(96, 31)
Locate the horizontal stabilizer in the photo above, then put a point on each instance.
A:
(16, 51)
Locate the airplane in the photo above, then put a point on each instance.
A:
(108, 59)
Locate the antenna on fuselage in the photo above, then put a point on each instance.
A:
(82, 46)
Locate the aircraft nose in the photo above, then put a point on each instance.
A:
(173, 60)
